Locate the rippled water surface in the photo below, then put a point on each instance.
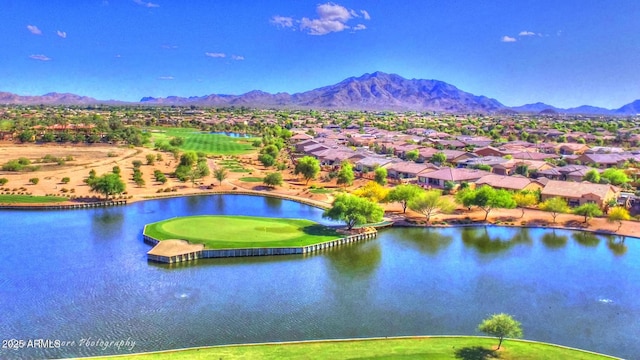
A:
(81, 276)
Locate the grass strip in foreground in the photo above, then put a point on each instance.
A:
(240, 232)
(441, 348)
(29, 199)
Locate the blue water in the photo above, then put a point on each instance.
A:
(82, 277)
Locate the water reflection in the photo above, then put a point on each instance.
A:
(552, 240)
(488, 241)
(617, 245)
(427, 240)
(586, 238)
(355, 260)
(273, 203)
(107, 221)
(219, 203)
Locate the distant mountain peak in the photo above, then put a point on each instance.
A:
(371, 91)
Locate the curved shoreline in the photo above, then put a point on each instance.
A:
(345, 340)
(624, 230)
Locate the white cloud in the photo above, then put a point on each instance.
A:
(282, 21)
(146, 4)
(40, 57)
(331, 18)
(62, 34)
(526, 33)
(508, 39)
(165, 78)
(321, 27)
(169, 46)
(34, 30)
(237, 57)
(359, 27)
(215, 55)
(333, 12)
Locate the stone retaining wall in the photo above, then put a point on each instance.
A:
(222, 253)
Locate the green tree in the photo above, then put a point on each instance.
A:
(345, 174)
(556, 206)
(430, 203)
(107, 184)
(309, 167)
(116, 170)
(438, 158)
(525, 199)
(65, 180)
(404, 194)
(501, 326)
(412, 155)
(380, 176)
(486, 198)
(220, 174)
(592, 176)
(619, 214)
(588, 210)
(615, 176)
(273, 179)
(354, 210)
(266, 160)
(136, 164)
(270, 150)
(151, 159)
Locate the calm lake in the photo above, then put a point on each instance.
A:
(81, 277)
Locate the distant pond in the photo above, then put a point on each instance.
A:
(231, 134)
(82, 277)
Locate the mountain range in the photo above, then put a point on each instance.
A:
(377, 91)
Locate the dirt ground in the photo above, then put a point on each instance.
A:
(102, 158)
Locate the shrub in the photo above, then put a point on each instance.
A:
(65, 180)
(136, 164)
(34, 180)
(3, 181)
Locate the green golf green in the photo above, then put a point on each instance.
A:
(232, 232)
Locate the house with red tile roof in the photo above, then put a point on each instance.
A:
(579, 193)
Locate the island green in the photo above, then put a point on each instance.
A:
(231, 232)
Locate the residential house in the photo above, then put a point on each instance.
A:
(579, 193)
(515, 183)
(438, 178)
(406, 170)
(572, 148)
(369, 163)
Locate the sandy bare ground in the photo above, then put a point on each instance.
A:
(102, 158)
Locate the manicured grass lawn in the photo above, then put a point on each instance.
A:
(205, 142)
(252, 179)
(28, 199)
(320, 191)
(440, 348)
(225, 232)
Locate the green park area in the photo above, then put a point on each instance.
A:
(440, 348)
(198, 141)
(229, 232)
(29, 199)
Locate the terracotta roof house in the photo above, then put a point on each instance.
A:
(572, 148)
(437, 178)
(578, 193)
(485, 160)
(408, 170)
(516, 183)
(601, 160)
(369, 163)
(530, 155)
(491, 151)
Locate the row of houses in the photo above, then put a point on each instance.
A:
(552, 181)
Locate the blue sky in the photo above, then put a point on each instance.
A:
(564, 53)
